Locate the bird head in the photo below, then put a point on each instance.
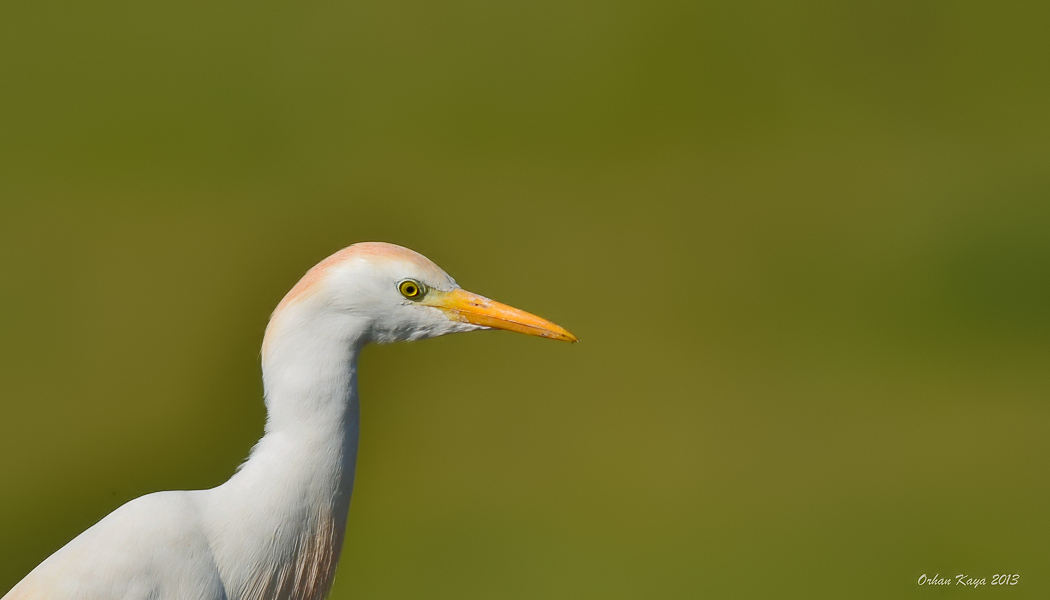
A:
(390, 293)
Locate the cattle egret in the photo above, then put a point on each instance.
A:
(275, 529)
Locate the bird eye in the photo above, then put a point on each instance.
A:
(413, 290)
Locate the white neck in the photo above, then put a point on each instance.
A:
(287, 506)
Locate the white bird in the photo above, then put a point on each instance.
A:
(275, 529)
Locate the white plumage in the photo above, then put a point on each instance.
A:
(275, 529)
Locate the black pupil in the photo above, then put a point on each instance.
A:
(410, 290)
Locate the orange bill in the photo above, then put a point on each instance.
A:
(461, 305)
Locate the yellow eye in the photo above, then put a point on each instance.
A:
(413, 290)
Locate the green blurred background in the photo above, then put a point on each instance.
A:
(806, 246)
